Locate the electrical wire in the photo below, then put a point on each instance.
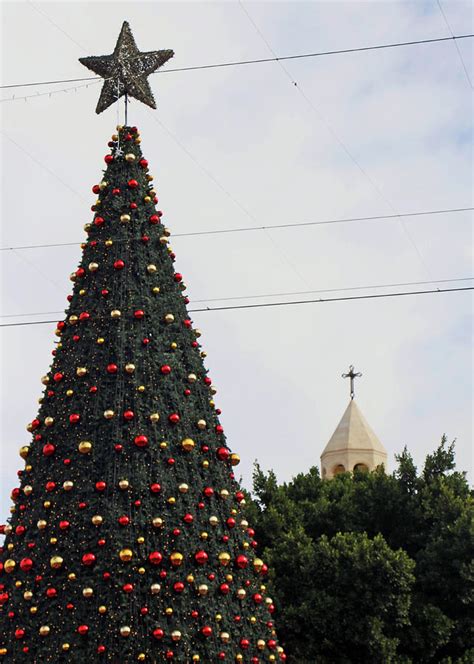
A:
(285, 304)
(243, 229)
(456, 45)
(287, 294)
(340, 142)
(239, 63)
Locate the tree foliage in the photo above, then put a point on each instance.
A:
(372, 567)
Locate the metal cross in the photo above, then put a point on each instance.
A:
(351, 374)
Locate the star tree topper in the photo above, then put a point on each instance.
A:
(126, 71)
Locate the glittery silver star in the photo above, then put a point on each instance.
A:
(126, 70)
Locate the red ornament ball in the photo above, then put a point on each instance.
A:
(49, 449)
(108, 158)
(201, 557)
(174, 418)
(155, 487)
(58, 377)
(155, 557)
(88, 559)
(143, 163)
(223, 453)
(99, 221)
(133, 184)
(74, 418)
(154, 219)
(100, 486)
(139, 314)
(178, 587)
(82, 629)
(26, 564)
(119, 264)
(158, 633)
(241, 561)
(128, 415)
(124, 520)
(96, 189)
(165, 369)
(112, 368)
(141, 441)
(206, 631)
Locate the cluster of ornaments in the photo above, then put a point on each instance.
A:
(178, 544)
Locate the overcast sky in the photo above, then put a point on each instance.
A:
(362, 134)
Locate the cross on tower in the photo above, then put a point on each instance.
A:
(351, 374)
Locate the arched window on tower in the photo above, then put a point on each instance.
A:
(361, 468)
(339, 469)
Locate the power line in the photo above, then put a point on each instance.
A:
(285, 304)
(340, 142)
(238, 63)
(243, 229)
(456, 45)
(287, 294)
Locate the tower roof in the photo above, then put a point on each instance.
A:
(353, 433)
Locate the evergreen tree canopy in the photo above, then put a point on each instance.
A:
(383, 564)
(127, 540)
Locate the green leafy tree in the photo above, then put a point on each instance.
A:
(127, 540)
(426, 518)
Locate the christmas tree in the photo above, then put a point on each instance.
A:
(127, 539)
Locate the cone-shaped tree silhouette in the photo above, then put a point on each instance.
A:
(127, 540)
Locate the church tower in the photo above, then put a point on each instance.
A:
(353, 445)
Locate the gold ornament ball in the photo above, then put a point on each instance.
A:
(28, 489)
(87, 592)
(100, 341)
(253, 620)
(124, 218)
(176, 558)
(268, 600)
(3, 651)
(151, 269)
(124, 484)
(28, 468)
(204, 535)
(141, 570)
(203, 589)
(213, 520)
(102, 609)
(126, 555)
(41, 524)
(169, 318)
(176, 635)
(155, 588)
(192, 378)
(157, 522)
(97, 520)
(234, 459)
(45, 380)
(147, 199)
(205, 463)
(190, 578)
(81, 371)
(82, 291)
(18, 584)
(65, 647)
(239, 658)
(218, 617)
(108, 243)
(164, 240)
(183, 488)
(9, 565)
(173, 345)
(53, 540)
(196, 658)
(8, 529)
(56, 562)
(203, 354)
(224, 493)
(69, 393)
(49, 421)
(140, 540)
(241, 593)
(44, 630)
(27, 595)
(84, 447)
(33, 609)
(245, 545)
(163, 444)
(155, 290)
(73, 319)
(141, 657)
(10, 546)
(188, 444)
(201, 424)
(47, 504)
(68, 485)
(154, 418)
(141, 388)
(72, 576)
(225, 637)
(93, 267)
(261, 644)
(108, 414)
(115, 314)
(125, 630)
(258, 564)
(224, 558)
(129, 367)
(72, 276)
(244, 524)
(130, 157)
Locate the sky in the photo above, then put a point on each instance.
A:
(361, 134)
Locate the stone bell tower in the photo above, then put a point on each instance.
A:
(353, 445)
